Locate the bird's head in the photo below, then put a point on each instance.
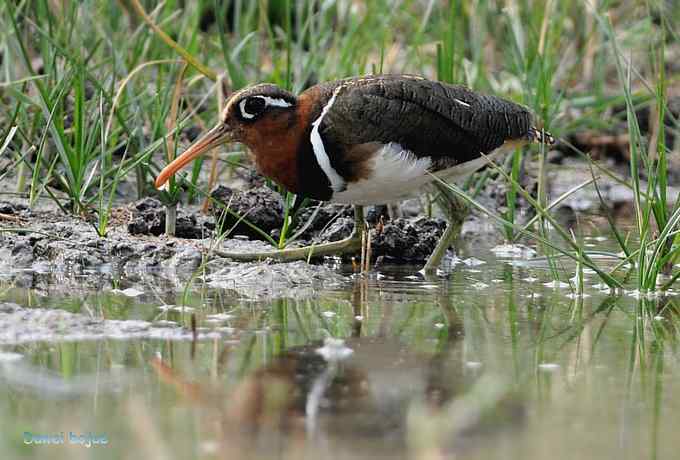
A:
(256, 116)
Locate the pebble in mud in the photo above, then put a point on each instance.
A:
(80, 258)
(185, 260)
(148, 218)
(261, 206)
(22, 254)
(322, 220)
(407, 240)
(340, 228)
(12, 208)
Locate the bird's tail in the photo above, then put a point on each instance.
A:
(540, 136)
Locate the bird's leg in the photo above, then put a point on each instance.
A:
(455, 210)
(359, 223)
(448, 237)
(350, 244)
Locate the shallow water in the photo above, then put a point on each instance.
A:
(492, 361)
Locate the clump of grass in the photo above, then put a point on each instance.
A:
(656, 220)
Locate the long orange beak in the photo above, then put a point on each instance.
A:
(220, 134)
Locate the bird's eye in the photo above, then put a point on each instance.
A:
(252, 107)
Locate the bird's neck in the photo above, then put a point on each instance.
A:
(276, 147)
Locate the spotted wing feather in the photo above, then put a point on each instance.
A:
(449, 123)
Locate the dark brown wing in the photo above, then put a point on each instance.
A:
(429, 118)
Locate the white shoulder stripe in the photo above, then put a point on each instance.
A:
(336, 180)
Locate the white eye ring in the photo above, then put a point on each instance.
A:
(268, 102)
(242, 107)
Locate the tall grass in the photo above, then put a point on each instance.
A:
(542, 63)
(125, 80)
(656, 219)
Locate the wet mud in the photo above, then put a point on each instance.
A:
(48, 240)
(19, 325)
(135, 242)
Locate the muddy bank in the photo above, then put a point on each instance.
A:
(49, 240)
(20, 325)
(44, 241)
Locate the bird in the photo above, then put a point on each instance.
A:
(366, 140)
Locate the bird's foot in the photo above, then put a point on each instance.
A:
(351, 244)
(347, 245)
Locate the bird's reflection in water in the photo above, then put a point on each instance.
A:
(361, 397)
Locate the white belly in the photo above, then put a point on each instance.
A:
(398, 174)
